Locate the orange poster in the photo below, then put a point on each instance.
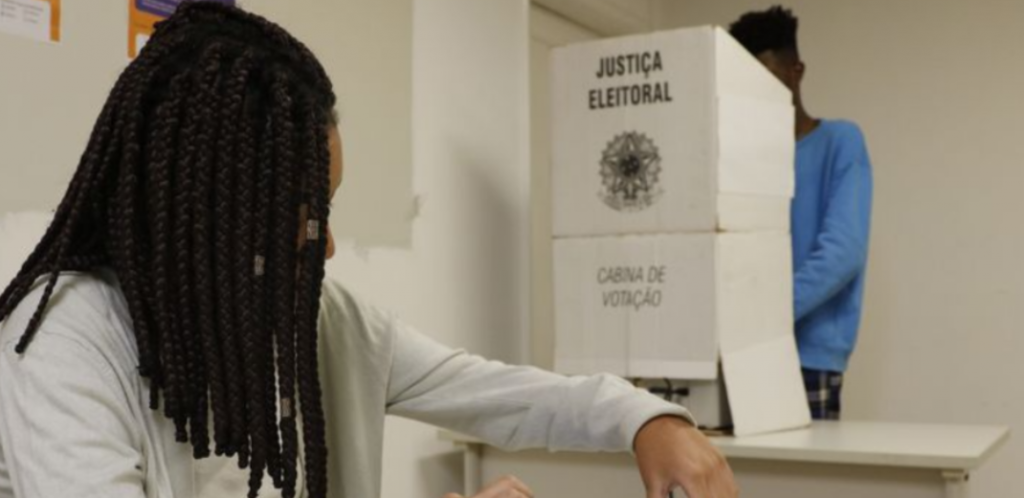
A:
(143, 16)
(36, 19)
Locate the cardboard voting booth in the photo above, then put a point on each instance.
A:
(672, 176)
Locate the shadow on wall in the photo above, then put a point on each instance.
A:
(497, 310)
(443, 472)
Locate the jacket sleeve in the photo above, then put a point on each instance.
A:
(65, 423)
(840, 250)
(515, 407)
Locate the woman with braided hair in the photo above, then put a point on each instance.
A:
(173, 335)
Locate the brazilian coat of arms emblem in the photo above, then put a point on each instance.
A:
(630, 171)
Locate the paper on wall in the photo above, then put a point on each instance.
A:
(35, 19)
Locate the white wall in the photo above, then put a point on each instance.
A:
(936, 87)
(366, 47)
(50, 95)
(464, 279)
(607, 17)
(547, 31)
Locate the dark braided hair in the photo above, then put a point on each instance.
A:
(773, 29)
(191, 190)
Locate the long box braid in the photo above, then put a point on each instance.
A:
(190, 190)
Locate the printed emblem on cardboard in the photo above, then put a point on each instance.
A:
(630, 171)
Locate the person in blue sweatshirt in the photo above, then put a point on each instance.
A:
(831, 217)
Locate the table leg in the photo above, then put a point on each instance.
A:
(472, 479)
(957, 483)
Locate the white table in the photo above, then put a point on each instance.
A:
(833, 459)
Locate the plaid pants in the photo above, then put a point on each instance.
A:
(823, 392)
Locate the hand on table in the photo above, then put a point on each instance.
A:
(505, 487)
(671, 452)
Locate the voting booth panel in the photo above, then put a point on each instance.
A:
(679, 131)
(672, 175)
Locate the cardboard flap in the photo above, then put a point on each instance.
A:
(755, 289)
(749, 213)
(757, 151)
(766, 389)
(739, 73)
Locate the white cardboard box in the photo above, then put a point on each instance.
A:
(672, 305)
(688, 133)
(672, 176)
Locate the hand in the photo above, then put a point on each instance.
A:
(505, 487)
(671, 452)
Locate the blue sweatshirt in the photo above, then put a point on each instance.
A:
(831, 218)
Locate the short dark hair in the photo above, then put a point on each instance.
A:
(773, 29)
